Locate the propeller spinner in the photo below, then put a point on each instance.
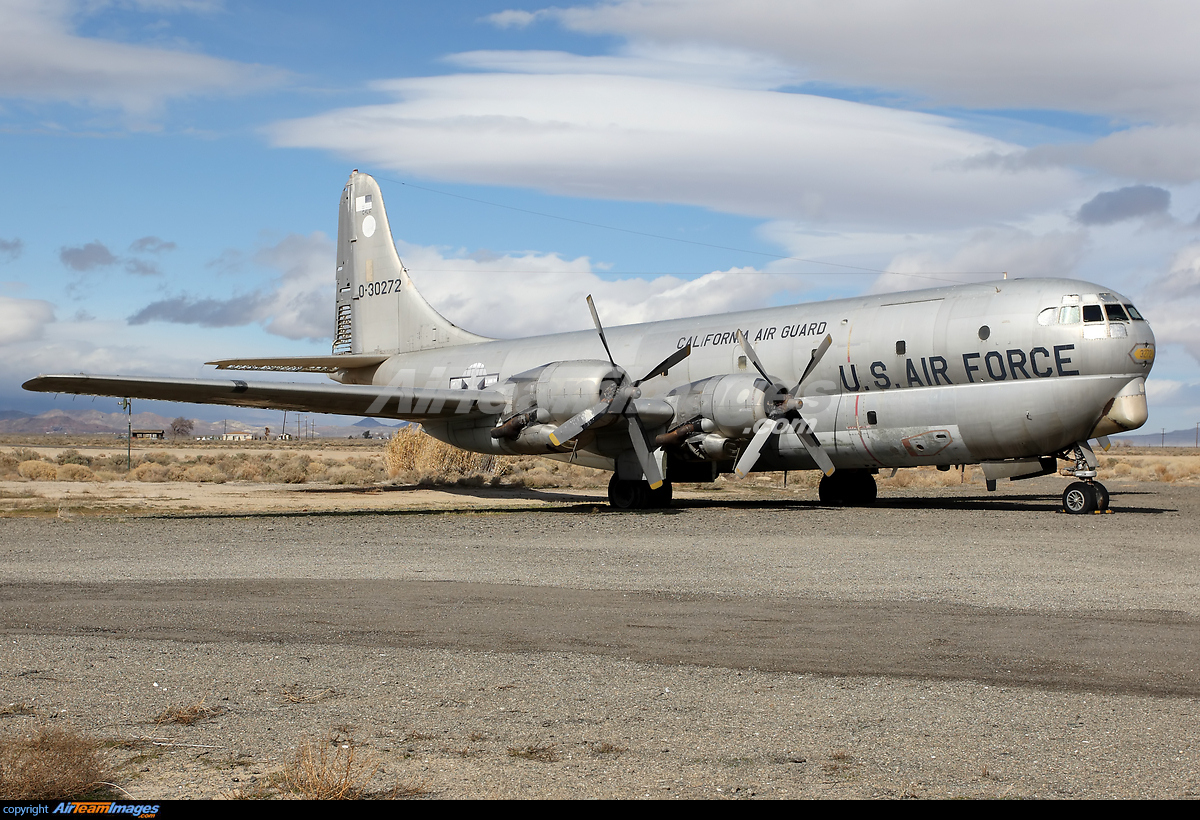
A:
(783, 413)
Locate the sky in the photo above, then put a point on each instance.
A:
(172, 168)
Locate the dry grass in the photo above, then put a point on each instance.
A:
(606, 748)
(330, 769)
(414, 457)
(282, 467)
(187, 715)
(52, 763)
(338, 768)
(293, 694)
(543, 753)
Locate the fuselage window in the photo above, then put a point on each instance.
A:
(1093, 313)
(1068, 315)
(1133, 313)
(1116, 313)
(1047, 317)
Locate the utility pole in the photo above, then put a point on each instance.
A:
(127, 406)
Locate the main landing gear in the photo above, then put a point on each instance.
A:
(624, 494)
(848, 488)
(1087, 495)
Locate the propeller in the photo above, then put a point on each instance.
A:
(618, 399)
(783, 413)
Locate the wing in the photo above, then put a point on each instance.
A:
(305, 364)
(408, 403)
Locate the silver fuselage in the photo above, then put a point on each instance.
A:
(953, 375)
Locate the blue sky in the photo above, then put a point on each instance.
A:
(173, 166)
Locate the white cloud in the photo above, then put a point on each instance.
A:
(505, 296)
(23, 319)
(701, 65)
(1128, 60)
(753, 152)
(1172, 301)
(42, 59)
(1019, 253)
(522, 295)
(298, 305)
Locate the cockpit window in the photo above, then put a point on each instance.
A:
(1047, 317)
(1133, 313)
(1093, 313)
(1116, 313)
(1068, 315)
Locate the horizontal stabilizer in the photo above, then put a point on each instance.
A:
(304, 364)
(408, 403)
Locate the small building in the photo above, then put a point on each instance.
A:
(237, 437)
(149, 433)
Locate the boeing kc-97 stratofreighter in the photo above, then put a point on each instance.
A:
(1014, 375)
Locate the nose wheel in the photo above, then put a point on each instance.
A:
(1082, 497)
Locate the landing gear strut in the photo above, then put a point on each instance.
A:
(848, 488)
(624, 494)
(1086, 495)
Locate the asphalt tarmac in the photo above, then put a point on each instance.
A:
(994, 605)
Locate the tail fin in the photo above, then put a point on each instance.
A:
(378, 309)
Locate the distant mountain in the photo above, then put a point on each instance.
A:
(89, 421)
(1172, 438)
(374, 423)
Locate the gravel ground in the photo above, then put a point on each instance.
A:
(947, 643)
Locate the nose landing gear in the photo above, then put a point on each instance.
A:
(1087, 495)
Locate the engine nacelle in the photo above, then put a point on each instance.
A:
(559, 390)
(730, 405)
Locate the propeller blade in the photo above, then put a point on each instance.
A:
(815, 360)
(745, 343)
(666, 364)
(750, 454)
(600, 328)
(637, 435)
(805, 434)
(578, 423)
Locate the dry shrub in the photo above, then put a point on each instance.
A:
(291, 474)
(37, 471)
(73, 457)
(345, 474)
(150, 471)
(416, 457)
(331, 769)
(52, 763)
(9, 465)
(927, 477)
(74, 472)
(187, 715)
(248, 471)
(206, 473)
(541, 752)
(1148, 468)
(159, 457)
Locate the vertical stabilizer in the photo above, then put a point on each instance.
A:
(378, 309)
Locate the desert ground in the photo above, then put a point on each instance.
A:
(504, 634)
